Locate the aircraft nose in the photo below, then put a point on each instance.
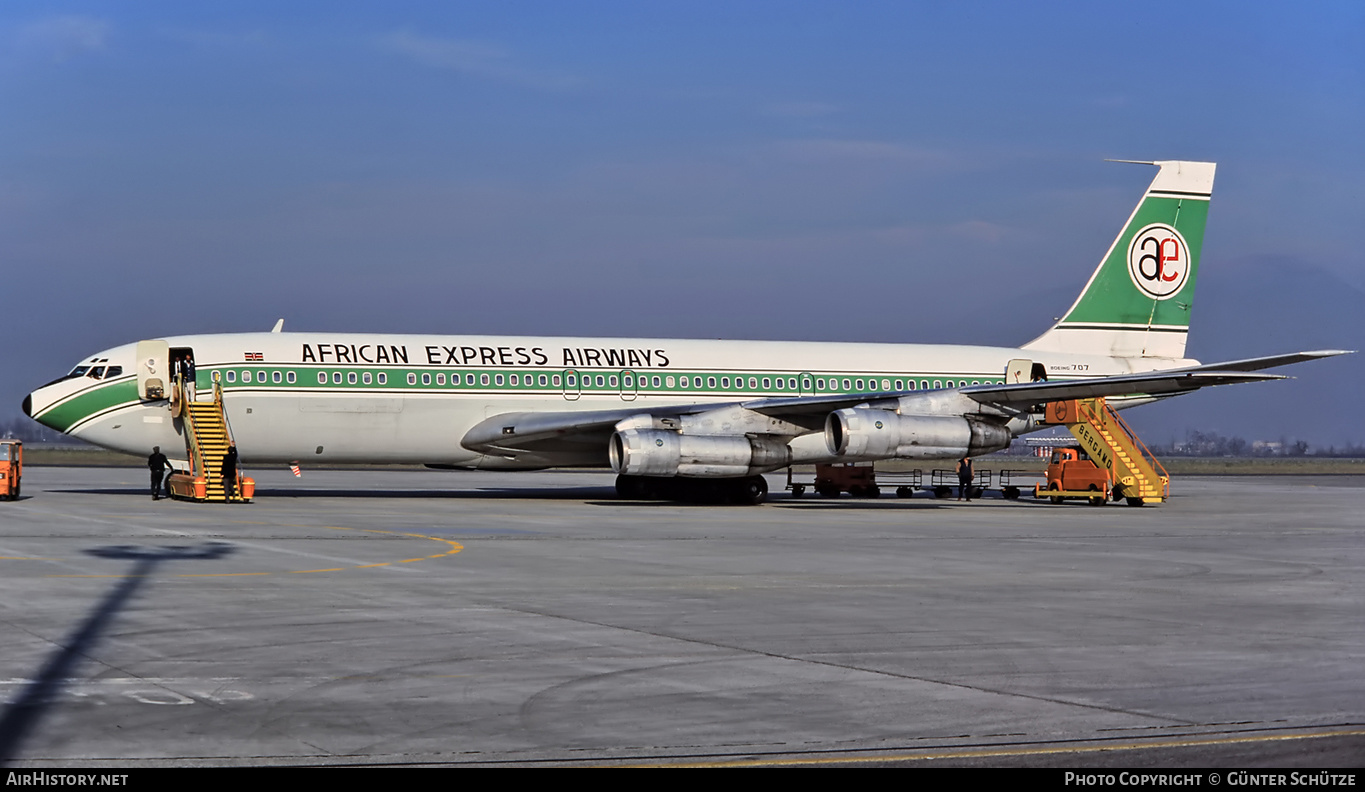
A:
(28, 405)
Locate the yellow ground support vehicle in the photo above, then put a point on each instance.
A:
(11, 468)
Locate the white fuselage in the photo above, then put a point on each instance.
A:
(339, 397)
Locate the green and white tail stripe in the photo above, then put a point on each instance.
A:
(1137, 303)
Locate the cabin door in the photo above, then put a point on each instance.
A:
(1018, 371)
(153, 370)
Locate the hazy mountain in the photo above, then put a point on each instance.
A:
(1264, 306)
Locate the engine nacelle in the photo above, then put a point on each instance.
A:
(868, 434)
(660, 452)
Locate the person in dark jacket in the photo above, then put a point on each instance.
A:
(965, 476)
(158, 464)
(230, 472)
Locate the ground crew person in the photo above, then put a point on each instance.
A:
(158, 464)
(230, 473)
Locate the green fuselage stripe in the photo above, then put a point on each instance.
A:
(555, 382)
(105, 397)
(99, 399)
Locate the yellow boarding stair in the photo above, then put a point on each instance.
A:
(1112, 444)
(207, 437)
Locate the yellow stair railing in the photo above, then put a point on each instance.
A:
(207, 438)
(1136, 473)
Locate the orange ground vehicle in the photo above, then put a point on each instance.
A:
(860, 481)
(1072, 474)
(11, 468)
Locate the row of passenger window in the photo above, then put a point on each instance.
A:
(277, 377)
(576, 381)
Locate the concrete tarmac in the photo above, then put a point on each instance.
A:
(435, 618)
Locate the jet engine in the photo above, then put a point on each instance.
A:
(660, 452)
(864, 433)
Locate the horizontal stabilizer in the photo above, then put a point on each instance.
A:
(1152, 383)
(1256, 364)
(1163, 383)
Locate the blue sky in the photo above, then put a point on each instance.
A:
(840, 171)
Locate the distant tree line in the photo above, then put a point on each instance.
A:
(1213, 444)
(30, 431)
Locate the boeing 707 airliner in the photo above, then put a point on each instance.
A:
(723, 411)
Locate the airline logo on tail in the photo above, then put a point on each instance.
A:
(1159, 261)
(1137, 303)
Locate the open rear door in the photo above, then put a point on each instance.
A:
(1018, 371)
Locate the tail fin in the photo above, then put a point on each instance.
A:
(1137, 303)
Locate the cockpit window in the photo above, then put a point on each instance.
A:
(78, 371)
(91, 371)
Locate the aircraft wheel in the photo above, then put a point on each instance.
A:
(644, 488)
(652, 488)
(750, 491)
(798, 490)
(629, 487)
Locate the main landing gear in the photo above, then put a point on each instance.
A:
(747, 491)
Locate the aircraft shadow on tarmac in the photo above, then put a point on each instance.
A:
(597, 496)
(842, 505)
(21, 717)
(786, 503)
(530, 493)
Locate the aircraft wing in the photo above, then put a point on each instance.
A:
(537, 432)
(570, 430)
(1151, 383)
